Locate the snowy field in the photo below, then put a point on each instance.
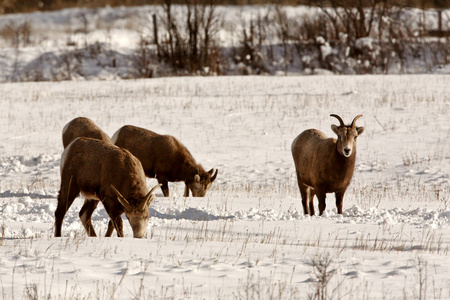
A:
(248, 238)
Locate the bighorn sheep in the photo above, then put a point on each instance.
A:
(103, 172)
(165, 158)
(82, 127)
(325, 165)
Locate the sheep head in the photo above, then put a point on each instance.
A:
(138, 214)
(347, 135)
(202, 183)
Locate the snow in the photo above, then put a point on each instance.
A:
(103, 44)
(248, 238)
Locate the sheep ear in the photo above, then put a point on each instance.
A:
(197, 178)
(335, 129)
(360, 130)
(122, 199)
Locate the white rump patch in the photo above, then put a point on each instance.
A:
(115, 136)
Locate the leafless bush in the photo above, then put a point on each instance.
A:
(84, 29)
(144, 58)
(189, 44)
(248, 57)
(31, 292)
(321, 264)
(18, 34)
(262, 287)
(312, 26)
(287, 30)
(422, 277)
(360, 19)
(70, 62)
(355, 18)
(255, 50)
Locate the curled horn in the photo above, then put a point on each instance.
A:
(339, 118)
(211, 172)
(354, 120)
(122, 199)
(148, 197)
(154, 188)
(214, 176)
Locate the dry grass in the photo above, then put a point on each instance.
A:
(286, 250)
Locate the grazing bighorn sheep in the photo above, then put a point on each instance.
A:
(165, 158)
(325, 165)
(103, 172)
(82, 127)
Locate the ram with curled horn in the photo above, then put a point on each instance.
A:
(325, 165)
(103, 172)
(166, 159)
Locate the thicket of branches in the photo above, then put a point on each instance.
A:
(189, 44)
(17, 6)
(347, 37)
(343, 37)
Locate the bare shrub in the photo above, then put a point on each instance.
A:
(286, 30)
(262, 287)
(354, 18)
(312, 26)
(189, 45)
(31, 292)
(70, 65)
(83, 18)
(254, 52)
(144, 58)
(321, 264)
(18, 34)
(422, 277)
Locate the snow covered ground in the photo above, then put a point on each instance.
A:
(248, 238)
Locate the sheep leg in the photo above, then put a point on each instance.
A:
(164, 186)
(304, 194)
(116, 219)
(186, 190)
(339, 201)
(322, 204)
(110, 229)
(305, 191)
(116, 223)
(66, 196)
(311, 193)
(85, 215)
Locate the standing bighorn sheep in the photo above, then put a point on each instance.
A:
(165, 158)
(325, 165)
(103, 172)
(82, 127)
